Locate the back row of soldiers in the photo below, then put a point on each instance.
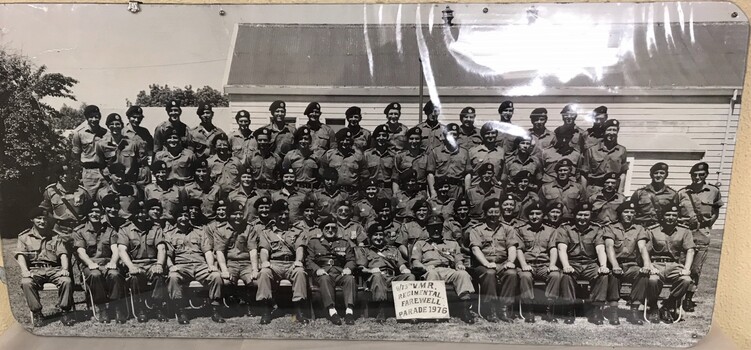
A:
(439, 202)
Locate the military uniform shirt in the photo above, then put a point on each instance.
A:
(127, 152)
(325, 201)
(96, 243)
(294, 199)
(205, 137)
(188, 248)
(141, 245)
(541, 141)
(494, 242)
(703, 201)
(281, 244)
(625, 241)
(142, 135)
(208, 196)
(160, 136)
(322, 138)
(599, 161)
(537, 243)
(53, 196)
(514, 165)
(398, 138)
(336, 254)
(444, 163)
(229, 178)
(226, 239)
(650, 202)
(432, 137)
(477, 195)
(404, 161)
(551, 157)
(84, 140)
(481, 154)
(580, 246)
(669, 244)
(380, 165)
(524, 201)
(181, 165)
(469, 139)
(247, 199)
(305, 166)
(351, 167)
(352, 231)
(445, 253)
(40, 249)
(442, 208)
(570, 195)
(604, 209)
(361, 139)
(404, 202)
(282, 140)
(240, 144)
(170, 198)
(387, 258)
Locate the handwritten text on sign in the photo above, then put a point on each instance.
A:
(420, 300)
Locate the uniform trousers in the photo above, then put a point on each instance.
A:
(40, 276)
(92, 180)
(539, 273)
(598, 283)
(631, 274)
(269, 278)
(489, 281)
(669, 272)
(701, 239)
(240, 270)
(379, 283)
(176, 280)
(105, 284)
(327, 285)
(138, 282)
(461, 280)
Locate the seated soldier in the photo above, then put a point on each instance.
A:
(165, 191)
(457, 227)
(668, 242)
(554, 216)
(331, 259)
(522, 194)
(290, 192)
(486, 189)
(142, 250)
(382, 263)
(440, 260)
(96, 248)
(246, 194)
(581, 251)
(538, 261)
(282, 250)
(606, 200)
(44, 256)
(126, 192)
(347, 228)
(414, 229)
(191, 258)
(624, 240)
(442, 204)
(330, 194)
(390, 227)
(204, 189)
(493, 246)
(410, 192)
(364, 208)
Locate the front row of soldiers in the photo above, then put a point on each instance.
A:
(498, 253)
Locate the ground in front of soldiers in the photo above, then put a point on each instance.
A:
(683, 334)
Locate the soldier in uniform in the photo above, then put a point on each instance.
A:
(487, 152)
(246, 194)
(554, 214)
(360, 135)
(65, 200)
(509, 211)
(542, 137)
(538, 261)
(83, 147)
(443, 204)
(282, 134)
(668, 242)
(493, 246)
(241, 141)
(322, 136)
(364, 207)
(431, 129)
(381, 264)
(457, 226)
(505, 137)
(223, 167)
(596, 133)
(700, 202)
(563, 190)
(191, 258)
(204, 189)
(568, 115)
(303, 160)
(98, 255)
(134, 131)
(125, 192)
(651, 198)
(398, 131)
(309, 214)
(348, 160)
(380, 161)
(290, 194)
(330, 194)
(484, 190)
(347, 228)
(625, 242)
(521, 160)
(143, 251)
(118, 148)
(581, 251)
(606, 201)
(415, 228)
(282, 250)
(441, 260)
(177, 157)
(203, 134)
(330, 259)
(522, 194)
(165, 191)
(451, 162)
(173, 124)
(264, 164)
(560, 150)
(468, 135)
(44, 256)
(414, 157)
(410, 193)
(385, 219)
(604, 158)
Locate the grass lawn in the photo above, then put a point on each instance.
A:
(683, 334)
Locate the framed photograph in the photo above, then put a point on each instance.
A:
(549, 174)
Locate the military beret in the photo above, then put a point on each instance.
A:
(370, 183)
(564, 131)
(182, 209)
(222, 202)
(414, 131)
(505, 105)
(279, 206)
(508, 197)
(419, 204)
(519, 140)
(330, 174)
(565, 162)
(234, 207)
(435, 220)
(538, 112)
(485, 167)
(625, 205)
(554, 205)
(611, 175)
(344, 133)
(60, 169)
(428, 107)
(343, 203)
(392, 105)
(302, 131)
(524, 174)
(452, 127)
(611, 122)
(407, 175)
(242, 114)
(276, 105)
(203, 107)
(153, 202)
(262, 132)
(193, 202)
(583, 206)
(375, 228)
(353, 111)
(265, 200)
(488, 127)
(133, 111)
(245, 169)
(534, 206)
(36, 212)
(91, 110)
(312, 106)
(159, 165)
(169, 131)
(491, 203)
(569, 108)
(111, 201)
(658, 166)
(441, 181)
(201, 164)
(116, 169)
(600, 110)
(462, 201)
(307, 204)
(669, 208)
(172, 103)
(112, 117)
(289, 171)
(326, 221)
(93, 204)
(381, 129)
(382, 203)
(699, 167)
(467, 110)
(136, 207)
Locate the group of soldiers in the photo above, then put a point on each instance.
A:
(490, 210)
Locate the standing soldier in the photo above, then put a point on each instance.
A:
(322, 136)
(203, 134)
(487, 152)
(360, 135)
(493, 246)
(126, 192)
(469, 135)
(327, 197)
(282, 134)
(397, 130)
(625, 243)
(441, 260)
(303, 160)
(410, 193)
(347, 228)
(282, 248)
(505, 136)
(290, 194)
(538, 261)
(651, 198)
(604, 158)
(522, 195)
(442, 204)
(414, 229)
(451, 162)
(265, 165)
(347, 160)
(223, 167)
(581, 251)
(458, 226)
(177, 157)
(143, 251)
(483, 191)
(98, 255)
(607, 200)
(83, 146)
(559, 151)
(246, 194)
(431, 129)
(380, 161)
(65, 200)
(136, 132)
(173, 124)
(165, 191)
(118, 148)
(701, 203)
(44, 256)
(596, 133)
(569, 114)
(523, 160)
(382, 264)
(364, 207)
(414, 157)
(241, 141)
(542, 137)
(385, 219)
(191, 258)
(204, 189)
(330, 260)
(563, 190)
(309, 214)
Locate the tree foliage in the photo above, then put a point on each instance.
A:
(158, 95)
(69, 117)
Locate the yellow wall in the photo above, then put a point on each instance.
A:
(733, 300)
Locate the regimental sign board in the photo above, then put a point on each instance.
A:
(420, 300)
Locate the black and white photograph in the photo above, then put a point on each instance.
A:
(542, 174)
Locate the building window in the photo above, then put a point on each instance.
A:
(335, 123)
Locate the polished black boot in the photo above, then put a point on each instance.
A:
(300, 312)
(121, 312)
(266, 315)
(550, 314)
(569, 316)
(67, 319)
(490, 315)
(634, 316)
(381, 316)
(216, 314)
(596, 317)
(467, 315)
(613, 316)
(688, 303)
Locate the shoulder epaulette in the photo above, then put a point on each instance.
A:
(79, 227)
(50, 186)
(24, 232)
(653, 226)
(683, 226)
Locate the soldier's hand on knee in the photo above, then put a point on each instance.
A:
(173, 268)
(553, 268)
(26, 274)
(491, 265)
(298, 264)
(265, 264)
(511, 265)
(254, 274)
(225, 275)
(157, 270)
(375, 270)
(213, 268)
(461, 267)
(93, 266)
(568, 269)
(654, 271)
(685, 272)
(321, 272)
(64, 273)
(526, 268)
(406, 271)
(346, 271)
(617, 271)
(111, 266)
(645, 271)
(603, 270)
